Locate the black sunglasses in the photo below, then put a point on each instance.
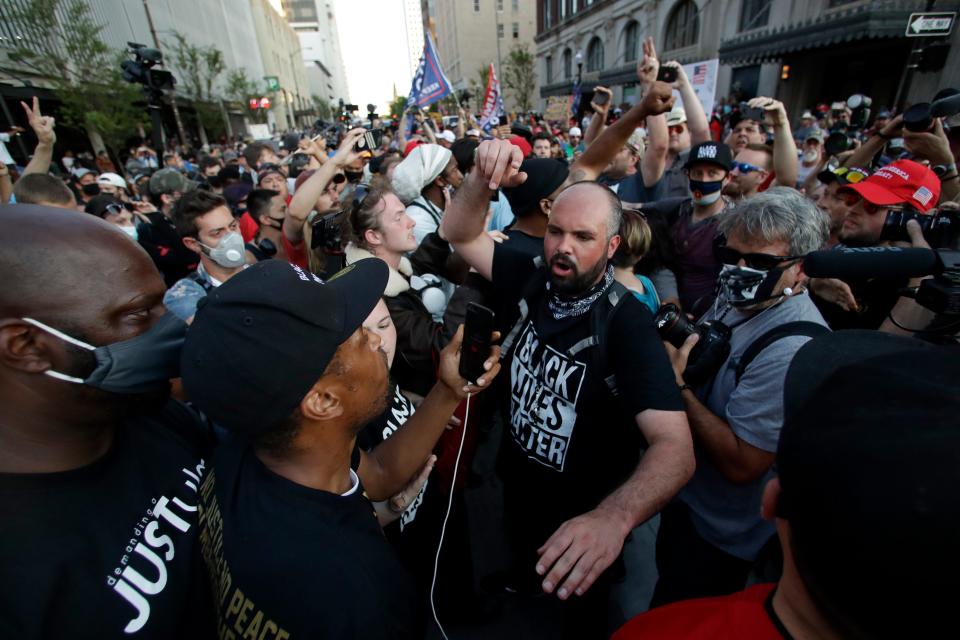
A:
(760, 261)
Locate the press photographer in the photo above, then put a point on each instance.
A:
(731, 368)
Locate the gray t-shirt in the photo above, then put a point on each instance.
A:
(725, 514)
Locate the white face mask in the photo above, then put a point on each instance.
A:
(810, 156)
(229, 252)
(131, 231)
(68, 162)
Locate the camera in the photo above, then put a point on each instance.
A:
(327, 232)
(859, 105)
(837, 142)
(941, 227)
(920, 116)
(708, 354)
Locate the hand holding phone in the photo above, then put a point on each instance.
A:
(477, 333)
(667, 74)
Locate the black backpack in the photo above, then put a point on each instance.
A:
(798, 328)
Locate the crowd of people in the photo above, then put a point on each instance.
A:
(232, 403)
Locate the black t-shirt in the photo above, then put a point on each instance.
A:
(416, 532)
(166, 248)
(875, 298)
(286, 560)
(568, 441)
(524, 242)
(110, 550)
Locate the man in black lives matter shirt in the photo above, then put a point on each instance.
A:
(291, 541)
(575, 483)
(99, 469)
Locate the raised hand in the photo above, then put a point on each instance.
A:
(649, 66)
(42, 125)
(498, 163)
(449, 372)
(657, 99)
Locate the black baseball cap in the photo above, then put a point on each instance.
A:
(715, 153)
(260, 340)
(869, 463)
(544, 176)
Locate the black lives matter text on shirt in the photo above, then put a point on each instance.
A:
(286, 561)
(570, 441)
(109, 550)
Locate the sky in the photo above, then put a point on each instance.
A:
(373, 42)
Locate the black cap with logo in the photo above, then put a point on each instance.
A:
(715, 153)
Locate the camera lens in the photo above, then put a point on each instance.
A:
(672, 324)
(918, 117)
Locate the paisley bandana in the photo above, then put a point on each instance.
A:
(568, 307)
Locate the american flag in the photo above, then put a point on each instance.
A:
(699, 73)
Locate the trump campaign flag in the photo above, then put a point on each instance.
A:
(429, 83)
(492, 103)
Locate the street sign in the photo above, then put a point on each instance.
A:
(926, 25)
(273, 83)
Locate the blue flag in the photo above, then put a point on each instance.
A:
(429, 83)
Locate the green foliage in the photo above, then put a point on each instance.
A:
(325, 108)
(199, 67)
(398, 106)
(239, 89)
(519, 76)
(63, 44)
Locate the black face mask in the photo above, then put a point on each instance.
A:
(92, 189)
(353, 176)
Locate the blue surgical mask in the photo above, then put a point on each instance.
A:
(705, 193)
(141, 364)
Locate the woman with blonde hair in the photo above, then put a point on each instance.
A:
(635, 241)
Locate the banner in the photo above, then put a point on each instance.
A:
(429, 83)
(558, 109)
(703, 79)
(492, 103)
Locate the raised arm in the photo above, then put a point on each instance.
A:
(598, 155)
(934, 147)
(42, 126)
(696, 118)
(599, 120)
(305, 198)
(863, 155)
(497, 165)
(654, 159)
(785, 161)
(424, 119)
(461, 123)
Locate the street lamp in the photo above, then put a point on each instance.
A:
(579, 59)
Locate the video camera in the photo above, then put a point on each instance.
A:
(941, 227)
(920, 116)
(141, 70)
(843, 136)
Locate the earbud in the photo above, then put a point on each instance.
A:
(788, 291)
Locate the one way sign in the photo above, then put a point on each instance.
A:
(930, 24)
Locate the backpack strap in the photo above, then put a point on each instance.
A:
(203, 282)
(430, 212)
(601, 318)
(798, 328)
(531, 290)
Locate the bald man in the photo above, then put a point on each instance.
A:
(99, 469)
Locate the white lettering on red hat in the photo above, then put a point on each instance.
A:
(923, 196)
(709, 151)
(887, 170)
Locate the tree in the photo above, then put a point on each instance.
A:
(398, 106)
(240, 89)
(199, 69)
(479, 87)
(63, 45)
(325, 108)
(520, 76)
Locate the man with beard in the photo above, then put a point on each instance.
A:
(99, 470)
(290, 540)
(581, 406)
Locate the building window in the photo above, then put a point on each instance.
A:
(683, 26)
(499, 5)
(839, 3)
(754, 14)
(548, 71)
(476, 6)
(631, 42)
(516, 30)
(499, 30)
(595, 55)
(547, 14)
(515, 6)
(567, 64)
(563, 10)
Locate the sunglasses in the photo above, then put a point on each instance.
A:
(851, 175)
(745, 167)
(759, 261)
(677, 129)
(851, 198)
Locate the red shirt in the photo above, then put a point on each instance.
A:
(296, 253)
(734, 617)
(248, 227)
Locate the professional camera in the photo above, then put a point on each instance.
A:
(859, 105)
(920, 116)
(327, 232)
(941, 227)
(708, 354)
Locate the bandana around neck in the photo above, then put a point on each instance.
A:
(570, 307)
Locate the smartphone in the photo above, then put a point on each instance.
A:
(477, 329)
(667, 74)
(753, 113)
(503, 120)
(370, 140)
(601, 98)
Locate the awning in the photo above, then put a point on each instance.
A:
(866, 21)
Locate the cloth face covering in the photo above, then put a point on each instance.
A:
(565, 307)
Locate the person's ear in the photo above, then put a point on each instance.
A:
(323, 402)
(612, 246)
(25, 348)
(193, 244)
(546, 206)
(373, 238)
(771, 496)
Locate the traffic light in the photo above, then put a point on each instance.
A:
(785, 72)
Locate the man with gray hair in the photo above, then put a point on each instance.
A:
(712, 536)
